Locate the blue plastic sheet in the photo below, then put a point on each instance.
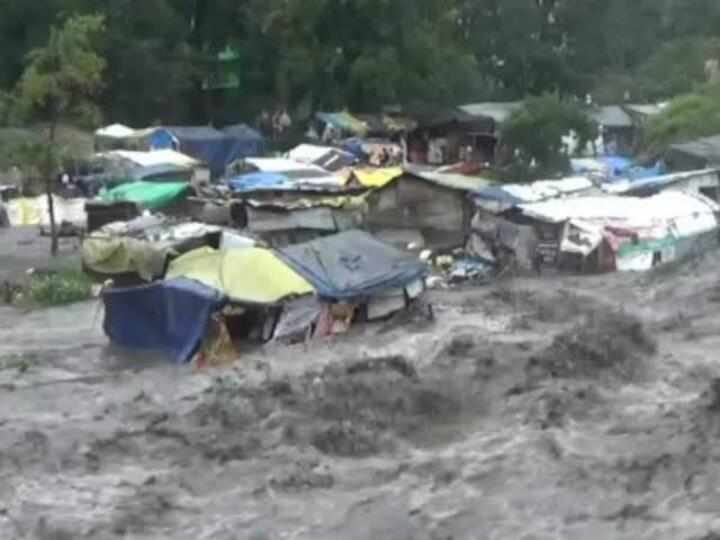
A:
(215, 148)
(169, 316)
(259, 181)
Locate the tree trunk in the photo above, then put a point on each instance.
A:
(51, 211)
(49, 181)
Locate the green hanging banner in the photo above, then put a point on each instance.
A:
(224, 71)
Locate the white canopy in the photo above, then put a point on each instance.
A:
(115, 131)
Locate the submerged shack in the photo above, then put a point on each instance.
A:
(601, 234)
(212, 301)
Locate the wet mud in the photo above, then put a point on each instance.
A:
(563, 408)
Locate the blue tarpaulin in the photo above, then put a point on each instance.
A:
(352, 265)
(259, 181)
(215, 148)
(169, 316)
(617, 168)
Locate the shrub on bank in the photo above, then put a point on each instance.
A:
(58, 288)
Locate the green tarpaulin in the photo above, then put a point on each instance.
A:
(149, 195)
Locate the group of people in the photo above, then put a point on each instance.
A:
(275, 123)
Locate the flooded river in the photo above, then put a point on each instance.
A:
(570, 408)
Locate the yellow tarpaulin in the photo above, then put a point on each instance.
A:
(254, 275)
(376, 178)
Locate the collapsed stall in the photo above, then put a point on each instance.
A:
(356, 277)
(140, 250)
(210, 302)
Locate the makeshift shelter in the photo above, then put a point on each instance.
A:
(168, 316)
(353, 265)
(140, 249)
(253, 141)
(281, 226)
(699, 154)
(618, 131)
(497, 110)
(253, 276)
(641, 113)
(148, 195)
(212, 147)
(444, 134)
(627, 233)
(503, 242)
(425, 207)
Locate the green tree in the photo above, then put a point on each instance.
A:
(61, 83)
(688, 117)
(533, 135)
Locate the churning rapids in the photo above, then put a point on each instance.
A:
(566, 407)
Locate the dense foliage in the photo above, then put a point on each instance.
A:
(308, 54)
(688, 117)
(534, 135)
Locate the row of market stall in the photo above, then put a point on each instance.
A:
(212, 301)
(308, 243)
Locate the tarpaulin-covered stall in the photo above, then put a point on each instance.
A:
(213, 147)
(639, 232)
(169, 316)
(148, 195)
(352, 265)
(139, 250)
(249, 141)
(248, 276)
(279, 226)
(421, 206)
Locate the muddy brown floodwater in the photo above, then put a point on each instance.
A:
(576, 408)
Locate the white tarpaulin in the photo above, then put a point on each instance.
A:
(115, 131)
(282, 165)
(309, 153)
(156, 157)
(548, 189)
(690, 213)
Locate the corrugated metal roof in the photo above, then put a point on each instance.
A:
(644, 109)
(498, 111)
(612, 116)
(458, 182)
